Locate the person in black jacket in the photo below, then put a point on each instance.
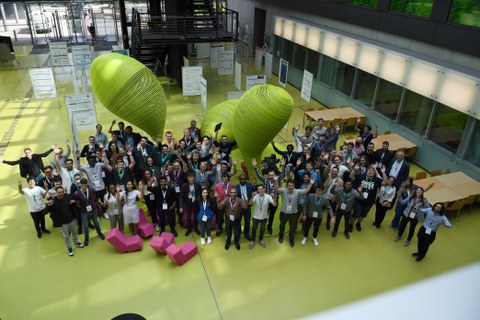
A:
(165, 202)
(31, 165)
(189, 193)
(384, 155)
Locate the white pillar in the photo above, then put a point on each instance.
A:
(15, 12)
(4, 16)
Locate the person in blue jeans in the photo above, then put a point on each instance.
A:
(204, 216)
(85, 198)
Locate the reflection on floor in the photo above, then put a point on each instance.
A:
(40, 281)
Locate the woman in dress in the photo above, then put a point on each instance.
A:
(205, 215)
(130, 208)
(112, 204)
(414, 203)
(384, 202)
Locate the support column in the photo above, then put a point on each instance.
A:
(123, 23)
(15, 12)
(4, 16)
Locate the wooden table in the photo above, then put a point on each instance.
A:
(396, 141)
(449, 187)
(329, 115)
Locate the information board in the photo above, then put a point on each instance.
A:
(283, 73)
(268, 64)
(58, 54)
(225, 62)
(214, 50)
(191, 80)
(43, 83)
(254, 80)
(203, 95)
(307, 82)
(238, 75)
(82, 59)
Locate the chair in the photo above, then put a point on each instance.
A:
(447, 171)
(456, 206)
(123, 243)
(160, 244)
(145, 229)
(341, 107)
(471, 200)
(387, 132)
(310, 109)
(350, 122)
(421, 175)
(322, 108)
(180, 255)
(436, 172)
(348, 137)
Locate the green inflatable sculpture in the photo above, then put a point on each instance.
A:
(131, 91)
(221, 113)
(262, 112)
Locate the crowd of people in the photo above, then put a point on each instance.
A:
(188, 183)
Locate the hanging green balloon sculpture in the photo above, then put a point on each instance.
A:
(221, 113)
(262, 112)
(131, 91)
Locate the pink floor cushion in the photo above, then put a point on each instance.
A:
(180, 255)
(123, 243)
(160, 244)
(145, 229)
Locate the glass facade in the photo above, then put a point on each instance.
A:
(466, 12)
(363, 3)
(345, 78)
(448, 126)
(416, 112)
(420, 8)
(300, 53)
(365, 88)
(313, 58)
(473, 150)
(328, 70)
(388, 99)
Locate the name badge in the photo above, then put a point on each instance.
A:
(89, 208)
(289, 208)
(115, 211)
(164, 206)
(232, 217)
(315, 214)
(428, 230)
(204, 218)
(412, 215)
(365, 195)
(177, 189)
(343, 206)
(103, 174)
(97, 184)
(122, 187)
(152, 197)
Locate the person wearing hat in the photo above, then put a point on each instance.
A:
(194, 131)
(85, 198)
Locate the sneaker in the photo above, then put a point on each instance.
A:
(188, 232)
(85, 243)
(347, 235)
(78, 244)
(304, 240)
(237, 245)
(252, 243)
(280, 240)
(315, 242)
(80, 231)
(396, 238)
(174, 232)
(157, 228)
(101, 236)
(415, 254)
(292, 243)
(334, 234)
(202, 241)
(39, 235)
(46, 231)
(70, 252)
(406, 243)
(105, 215)
(262, 244)
(209, 240)
(419, 259)
(227, 246)
(359, 226)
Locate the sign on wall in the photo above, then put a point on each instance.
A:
(307, 82)
(283, 73)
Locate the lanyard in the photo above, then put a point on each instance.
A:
(71, 174)
(204, 206)
(85, 196)
(243, 190)
(120, 174)
(261, 200)
(317, 201)
(232, 205)
(290, 196)
(34, 196)
(164, 193)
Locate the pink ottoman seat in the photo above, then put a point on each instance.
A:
(123, 243)
(145, 229)
(160, 244)
(180, 255)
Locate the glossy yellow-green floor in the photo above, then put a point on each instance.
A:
(39, 281)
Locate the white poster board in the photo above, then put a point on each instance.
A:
(225, 62)
(253, 80)
(186, 63)
(203, 49)
(268, 64)
(81, 57)
(235, 95)
(203, 95)
(283, 73)
(43, 83)
(238, 75)
(191, 80)
(307, 82)
(214, 50)
(59, 54)
(258, 58)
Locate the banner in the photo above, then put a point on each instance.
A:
(191, 80)
(283, 73)
(253, 80)
(225, 63)
(238, 76)
(203, 95)
(43, 83)
(268, 64)
(59, 54)
(307, 82)
(214, 50)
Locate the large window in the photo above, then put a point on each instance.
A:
(466, 12)
(416, 112)
(327, 73)
(448, 126)
(300, 52)
(363, 3)
(388, 99)
(313, 58)
(421, 8)
(365, 88)
(288, 51)
(473, 151)
(345, 77)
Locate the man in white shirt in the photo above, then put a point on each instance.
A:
(260, 203)
(34, 196)
(67, 173)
